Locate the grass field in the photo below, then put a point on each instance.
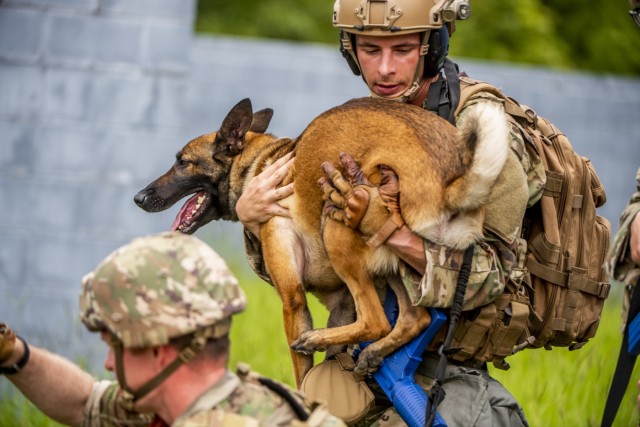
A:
(556, 388)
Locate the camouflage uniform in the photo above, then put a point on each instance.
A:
(619, 264)
(236, 400)
(498, 261)
(167, 286)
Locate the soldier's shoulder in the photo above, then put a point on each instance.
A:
(217, 417)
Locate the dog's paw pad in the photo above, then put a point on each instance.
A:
(368, 362)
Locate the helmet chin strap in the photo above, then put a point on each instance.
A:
(129, 395)
(200, 338)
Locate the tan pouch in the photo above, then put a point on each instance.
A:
(334, 383)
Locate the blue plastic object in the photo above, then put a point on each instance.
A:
(395, 374)
(634, 336)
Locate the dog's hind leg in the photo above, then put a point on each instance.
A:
(411, 321)
(283, 256)
(348, 255)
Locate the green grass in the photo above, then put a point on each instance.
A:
(556, 388)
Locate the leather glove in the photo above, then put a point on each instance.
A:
(373, 211)
(7, 342)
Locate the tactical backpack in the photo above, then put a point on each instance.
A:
(566, 285)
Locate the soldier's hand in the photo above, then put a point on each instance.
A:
(7, 342)
(355, 201)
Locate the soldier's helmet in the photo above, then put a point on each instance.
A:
(434, 18)
(160, 287)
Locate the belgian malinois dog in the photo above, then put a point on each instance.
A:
(445, 177)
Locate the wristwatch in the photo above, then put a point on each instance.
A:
(20, 364)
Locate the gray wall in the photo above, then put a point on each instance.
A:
(96, 96)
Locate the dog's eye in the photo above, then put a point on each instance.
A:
(182, 162)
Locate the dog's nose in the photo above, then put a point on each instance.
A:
(140, 198)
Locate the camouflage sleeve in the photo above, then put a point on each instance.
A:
(619, 264)
(493, 264)
(253, 250)
(104, 410)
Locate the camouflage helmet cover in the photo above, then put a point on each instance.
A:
(157, 288)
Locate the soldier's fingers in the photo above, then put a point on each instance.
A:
(340, 183)
(280, 162)
(278, 173)
(278, 210)
(330, 192)
(389, 183)
(334, 213)
(353, 170)
(284, 191)
(327, 168)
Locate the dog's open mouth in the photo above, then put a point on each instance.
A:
(187, 219)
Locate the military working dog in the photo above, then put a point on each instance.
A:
(445, 176)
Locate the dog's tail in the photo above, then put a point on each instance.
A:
(483, 135)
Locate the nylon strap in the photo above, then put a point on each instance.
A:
(394, 222)
(624, 368)
(279, 389)
(436, 393)
(198, 342)
(444, 94)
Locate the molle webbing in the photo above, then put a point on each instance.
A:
(566, 241)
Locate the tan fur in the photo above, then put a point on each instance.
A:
(445, 177)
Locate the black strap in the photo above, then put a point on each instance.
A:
(624, 368)
(20, 364)
(436, 393)
(451, 73)
(444, 94)
(278, 388)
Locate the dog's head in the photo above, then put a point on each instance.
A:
(202, 168)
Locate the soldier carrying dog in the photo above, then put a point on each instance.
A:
(400, 50)
(163, 305)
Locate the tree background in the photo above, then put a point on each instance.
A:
(596, 37)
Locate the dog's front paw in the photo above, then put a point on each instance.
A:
(368, 361)
(309, 342)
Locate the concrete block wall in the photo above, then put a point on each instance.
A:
(96, 97)
(86, 88)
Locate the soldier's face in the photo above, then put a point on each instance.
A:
(388, 64)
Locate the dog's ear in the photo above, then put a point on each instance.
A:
(261, 120)
(235, 126)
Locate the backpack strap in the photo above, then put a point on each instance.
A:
(279, 389)
(444, 94)
(436, 394)
(624, 367)
(470, 87)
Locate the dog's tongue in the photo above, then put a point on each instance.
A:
(187, 211)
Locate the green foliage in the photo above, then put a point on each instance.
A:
(509, 31)
(300, 20)
(15, 411)
(570, 34)
(556, 388)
